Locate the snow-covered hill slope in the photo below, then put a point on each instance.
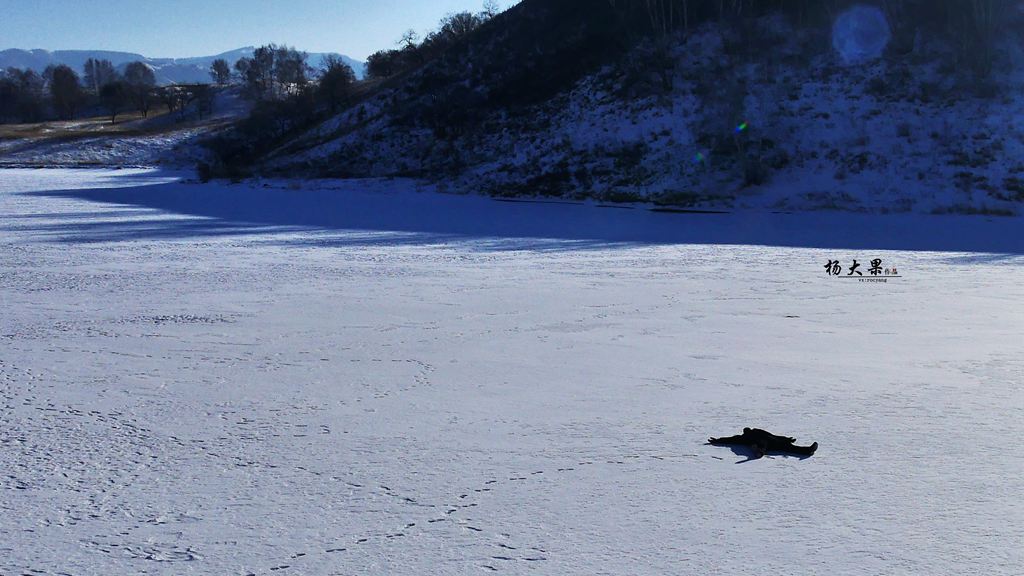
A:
(212, 379)
(767, 117)
(167, 70)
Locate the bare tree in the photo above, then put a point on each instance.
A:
(490, 10)
(336, 82)
(457, 25)
(383, 64)
(64, 89)
(290, 69)
(203, 95)
(409, 39)
(9, 97)
(242, 67)
(263, 69)
(114, 96)
(21, 95)
(273, 71)
(258, 71)
(98, 73)
(140, 81)
(220, 71)
(170, 97)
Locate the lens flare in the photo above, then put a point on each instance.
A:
(861, 33)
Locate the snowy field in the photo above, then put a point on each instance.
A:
(366, 379)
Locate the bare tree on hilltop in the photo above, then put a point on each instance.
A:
(490, 10)
(257, 71)
(274, 71)
(409, 39)
(336, 82)
(410, 55)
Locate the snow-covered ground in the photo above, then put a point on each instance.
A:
(102, 150)
(365, 379)
(165, 140)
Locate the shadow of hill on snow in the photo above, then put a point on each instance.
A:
(392, 212)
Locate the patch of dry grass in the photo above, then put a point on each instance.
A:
(128, 124)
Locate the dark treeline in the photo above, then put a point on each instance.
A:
(413, 53)
(291, 96)
(280, 73)
(22, 96)
(274, 72)
(967, 25)
(60, 93)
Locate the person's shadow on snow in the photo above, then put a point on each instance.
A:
(750, 454)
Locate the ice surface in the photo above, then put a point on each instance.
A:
(366, 379)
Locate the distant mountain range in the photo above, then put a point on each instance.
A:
(168, 70)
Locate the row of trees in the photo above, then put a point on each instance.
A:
(291, 96)
(279, 72)
(275, 73)
(22, 96)
(272, 73)
(27, 96)
(412, 52)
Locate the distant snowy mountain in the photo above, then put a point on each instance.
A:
(168, 70)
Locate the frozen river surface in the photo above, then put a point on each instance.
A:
(212, 379)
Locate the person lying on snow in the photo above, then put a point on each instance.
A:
(762, 442)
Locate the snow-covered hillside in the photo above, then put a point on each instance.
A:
(768, 116)
(362, 378)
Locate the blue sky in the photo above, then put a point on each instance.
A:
(180, 28)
